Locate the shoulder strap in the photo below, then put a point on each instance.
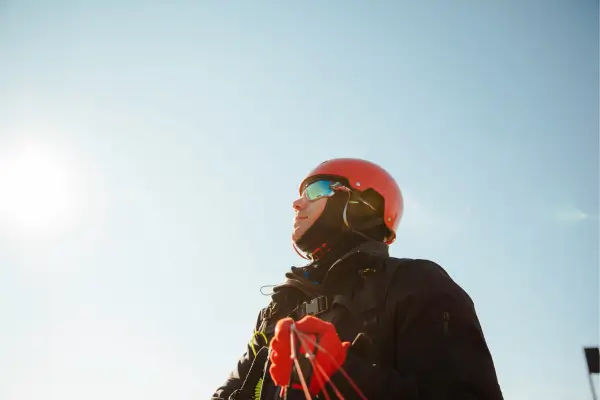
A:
(369, 304)
(390, 268)
(378, 325)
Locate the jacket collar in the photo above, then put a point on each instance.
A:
(357, 258)
(339, 273)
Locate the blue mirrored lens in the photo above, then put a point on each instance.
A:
(318, 189)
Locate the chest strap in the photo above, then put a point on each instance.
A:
(315, 307)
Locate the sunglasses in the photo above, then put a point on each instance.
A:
(325, 188)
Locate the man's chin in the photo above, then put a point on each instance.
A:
(296, 237)
(297, 233)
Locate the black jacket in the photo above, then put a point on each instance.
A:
(427, 340)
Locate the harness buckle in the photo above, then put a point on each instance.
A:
(314, 307)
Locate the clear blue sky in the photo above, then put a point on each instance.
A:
(149, 156)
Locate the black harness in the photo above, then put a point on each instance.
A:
(368, 304)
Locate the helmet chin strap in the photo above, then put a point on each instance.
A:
(319, 252)
(299, 252)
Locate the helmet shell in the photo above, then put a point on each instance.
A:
(362, 175)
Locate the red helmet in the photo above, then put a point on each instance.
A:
(362, 175)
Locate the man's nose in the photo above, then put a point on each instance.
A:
(299, 204)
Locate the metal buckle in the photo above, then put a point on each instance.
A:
(316, 306)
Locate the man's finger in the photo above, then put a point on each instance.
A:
(310, 324)
(282, 329)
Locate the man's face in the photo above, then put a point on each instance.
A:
(307, 212)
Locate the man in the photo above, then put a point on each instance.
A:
(356, 323)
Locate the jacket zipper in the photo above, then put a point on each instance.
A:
(446, 321)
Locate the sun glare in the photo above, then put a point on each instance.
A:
(36, 192)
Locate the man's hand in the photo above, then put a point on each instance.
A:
(315, 345)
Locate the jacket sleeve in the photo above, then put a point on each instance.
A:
(238, 374)
(440, 350)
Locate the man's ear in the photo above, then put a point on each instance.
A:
(374, 199)
(372, 208)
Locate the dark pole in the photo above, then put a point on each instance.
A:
(592, 387)
(592, 356)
